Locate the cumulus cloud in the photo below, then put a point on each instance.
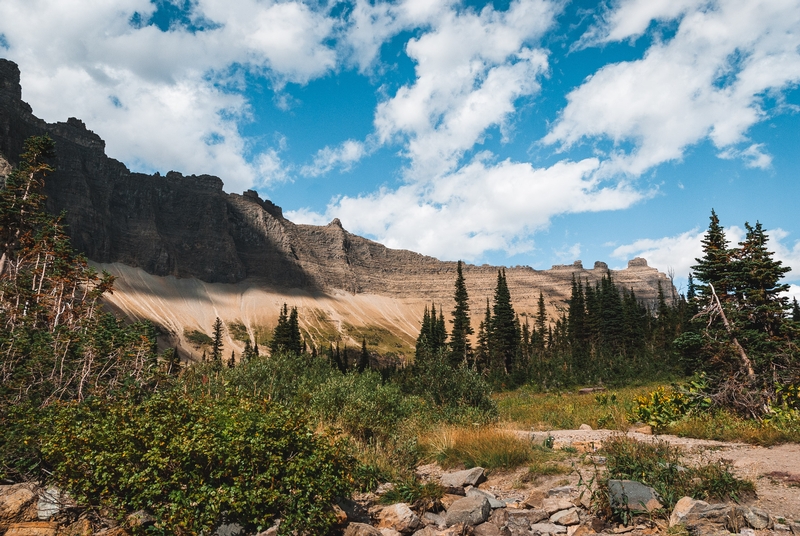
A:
(470, 70)
(159, 98)
(706, 82)
(343, 157)
(480, 207)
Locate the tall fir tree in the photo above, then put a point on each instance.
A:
(504, 334)
(460, 348)
(714, 267)
(363, 358)
(216, 344)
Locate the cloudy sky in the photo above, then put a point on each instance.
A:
(529, 132)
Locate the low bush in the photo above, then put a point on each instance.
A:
(659, 465)
(195, 461)
(478, 446)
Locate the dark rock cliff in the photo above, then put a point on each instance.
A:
(189, 227)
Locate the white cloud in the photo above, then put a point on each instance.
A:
(678, 253)
(470, 70)
(343, 157)
(156, 97)
(706, 82)
(482, 206)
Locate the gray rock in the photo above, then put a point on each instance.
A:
(490, 529)
(140, 518)
(566, 517)
(361, 529)
(548, 528)
(633, 495)
(467, 477)
(398, 517)
(469, 510)
(684, 507)
(561, 491)
(229, 529)
(493, 501)
(390, 532)
(755, 517)
(50, 504)
(430, 518)
(551, 505)
(533, 515)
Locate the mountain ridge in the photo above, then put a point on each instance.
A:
(176, 227)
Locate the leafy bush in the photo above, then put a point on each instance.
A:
(362, 406)
(659, 466)
(194, 461)
(663, 407)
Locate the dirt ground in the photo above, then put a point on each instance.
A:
(774, 470)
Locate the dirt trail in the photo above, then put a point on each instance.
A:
(775, 470)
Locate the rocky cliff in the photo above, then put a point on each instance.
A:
(176, 228)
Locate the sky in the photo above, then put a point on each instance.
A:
(524, 132)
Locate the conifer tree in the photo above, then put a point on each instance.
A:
(232, 360)
(795, 310)
(460, 348)
(286, 335)
(216, 346)
(363, 358)
(714, 267)
(504, 334)
(483, 354)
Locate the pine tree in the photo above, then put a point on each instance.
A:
(460, 348)
(363, 358)
(483, 352)
(232, 360)
(216, 346)
(286, 335)
(504, 334)
(714, 268)
(795, 310)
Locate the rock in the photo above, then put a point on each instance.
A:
(561, 491)
(398, 517)
(273, 530)
(341, 515)
(493, 501)
(551, 505)
(585, 427)
(436, 520)
(32, 528)
(641, 428)
(50, 503)
(467, 477)
(566, 517)
(427, 531)
(390, 532)
(548, 528)
(17, 503)
(747, 532)
(468, 510)
(533, 515)
(81, 527)
(683, 507)
(360, 529)
(633, 495)
(448, 499)
(490, 529)
(579, 530)
(535, 499)
(755, 517)
(140, 518)
(229, 529)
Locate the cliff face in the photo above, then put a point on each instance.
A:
(188, 227)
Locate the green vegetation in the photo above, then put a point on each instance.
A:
(660, 466)
(198, 339)
(238, 331)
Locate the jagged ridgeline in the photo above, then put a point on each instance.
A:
(183, 252)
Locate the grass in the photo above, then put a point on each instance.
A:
(527, 409)
(489, 447)
(724, 426)
(379, 339)
(238, 331)
(196, 338)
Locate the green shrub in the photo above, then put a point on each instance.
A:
(362, 406)
(663, 407)
(194, 461)
(659, 465)
(196, 338)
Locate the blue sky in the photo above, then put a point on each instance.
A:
(529, 132)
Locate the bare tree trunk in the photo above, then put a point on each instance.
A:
(746, 363)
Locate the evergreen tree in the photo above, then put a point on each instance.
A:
(286, 335)
(460, 348)
(795, 310)
(232, 360)
(363, 358)
(714, 268)
(483, 358)
(216, 346)
(504, 334)
(576, 329)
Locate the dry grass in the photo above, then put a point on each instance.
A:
(489, 447)
(723, 426)
(526, 409)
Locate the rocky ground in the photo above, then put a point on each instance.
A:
(507, 503)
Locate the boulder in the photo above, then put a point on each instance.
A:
(354, 511)
(50, 503)
(17, 503)
(32, 528)
(430, 518)
(633, 495)
(684, 507)
(82, 527)
(398, 517)
(548, 528)
(755, 517)
(493, 501)
(361, 529)
(390, 532)
(535, 499)
(468, 510)
(585, 427)
(427, 531)
(140, 518)
(551, 505)
(490, 529)
(566, 517)
(449, 498)
(561, 491)
(467, 477)
(229, 529)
